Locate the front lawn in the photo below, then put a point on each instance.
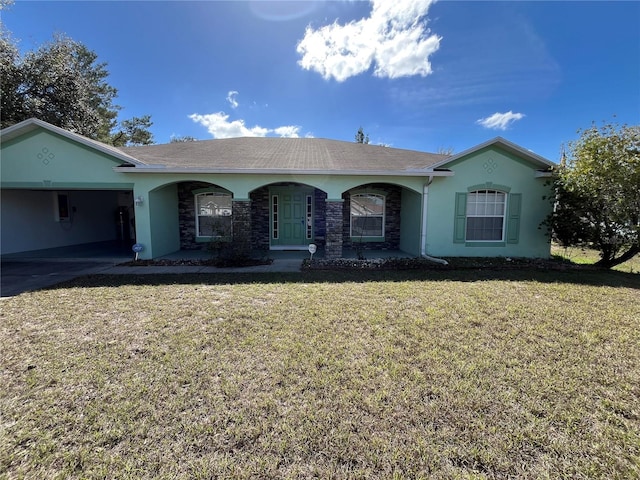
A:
(414, 374)
(586, 256)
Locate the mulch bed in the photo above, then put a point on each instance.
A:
(455, 263)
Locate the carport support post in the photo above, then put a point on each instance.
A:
(333, 245)
(143, 225)
(241, 229)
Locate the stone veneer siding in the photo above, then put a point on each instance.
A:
(187, 215)
(260, 219)
(393, 202)
(241, 229)
(334, 235)
(255, 218)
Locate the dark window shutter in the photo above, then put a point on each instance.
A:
(513, 217)
(460, 219)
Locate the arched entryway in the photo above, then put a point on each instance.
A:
(287, 216)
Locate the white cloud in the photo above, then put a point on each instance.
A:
(394, 38)
(219, 126)
(289, 131)
(231, 98)
(500, 121)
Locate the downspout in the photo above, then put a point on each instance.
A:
(425, 216)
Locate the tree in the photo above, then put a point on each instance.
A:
(134, 132)
(597, 194)
(10, 80)
(186, 138)
(63, 84)
(361, 137)
(445, 151)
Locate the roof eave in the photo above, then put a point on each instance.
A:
(282, 171)
(502, 143)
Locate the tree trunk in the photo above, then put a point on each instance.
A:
(628, 255)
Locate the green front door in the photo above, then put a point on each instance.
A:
(291, 217)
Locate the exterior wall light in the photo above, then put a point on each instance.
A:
(139, 201)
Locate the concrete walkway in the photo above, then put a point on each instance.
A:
(278, 265)
(29, 271)
(23, 275)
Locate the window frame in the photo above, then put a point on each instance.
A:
(485, 204)
(197, 194)
(382, 216)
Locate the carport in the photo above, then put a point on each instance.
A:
(71, 220)
(60, 191)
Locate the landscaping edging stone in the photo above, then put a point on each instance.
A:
(457, 263)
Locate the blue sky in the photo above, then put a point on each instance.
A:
(414, 74)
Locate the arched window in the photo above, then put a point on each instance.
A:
(213, 214)
(485, 215)
(367, 215)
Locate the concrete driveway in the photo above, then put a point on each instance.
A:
(17, 276)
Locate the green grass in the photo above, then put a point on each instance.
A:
(586, 256)
(526, 374)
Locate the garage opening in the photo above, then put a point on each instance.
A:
(67, 223)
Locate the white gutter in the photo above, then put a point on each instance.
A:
(423, 233)
(279, 171)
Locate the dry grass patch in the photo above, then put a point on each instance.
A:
(586, 256)
(327, 375)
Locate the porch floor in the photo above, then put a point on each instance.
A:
(118, 251)
(291, 254)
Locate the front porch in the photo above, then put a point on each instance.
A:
(282, 219)
(118, 251)
(348, 253)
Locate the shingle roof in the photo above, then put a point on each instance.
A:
(283, 154)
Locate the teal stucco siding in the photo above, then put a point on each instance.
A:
(489, 169)
(40, 164)
(43, 159)
(410, 213)
(164, 223)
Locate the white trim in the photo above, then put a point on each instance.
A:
(274, 217)
(309, 214)
(425, 217)
(144, 168)
(541, 174)
(499, 142)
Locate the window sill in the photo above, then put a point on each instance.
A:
(485, 244)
